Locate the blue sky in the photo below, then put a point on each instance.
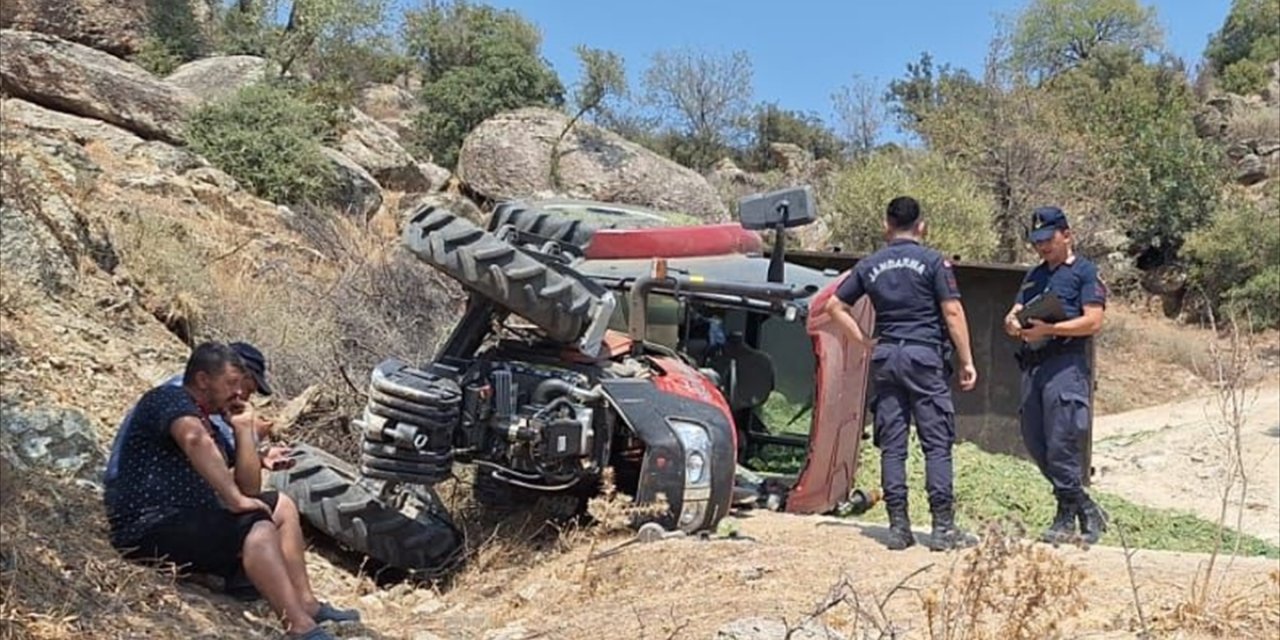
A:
(803, 50)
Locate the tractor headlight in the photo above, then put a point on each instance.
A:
(697, 447)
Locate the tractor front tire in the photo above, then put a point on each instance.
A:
(334, 500)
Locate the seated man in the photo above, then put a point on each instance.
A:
(175, 497)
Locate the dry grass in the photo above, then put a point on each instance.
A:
(1259, 123)
(1007, 587)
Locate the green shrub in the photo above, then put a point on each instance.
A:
(269, 140)
(958, 212)
(1235, 260)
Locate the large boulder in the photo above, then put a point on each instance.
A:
(114, 26)
(70, 77)
(376, 147)
(509, 156)
(212, 79)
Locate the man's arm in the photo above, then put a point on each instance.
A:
(958, 327)
(190, 435)
(947, 292)
(248, 465)
(1088, 324)
(839, 308)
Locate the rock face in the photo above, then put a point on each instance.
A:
(375, 147)
(509, 156)
(114, 26)
(20, 113)
(69, 77)
(212, 79)
(358, 193)
(59, 440)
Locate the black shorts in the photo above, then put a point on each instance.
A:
(202, 541)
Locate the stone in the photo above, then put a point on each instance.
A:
(508, 156)
(33, 117)
(219, 77)
(376, 148)
(57, 439)
(69, 77)
(1251, 170)
(357, 193)
(391, 106)
(116, 27)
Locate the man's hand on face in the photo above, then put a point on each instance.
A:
(1038, 330)
(241, 415)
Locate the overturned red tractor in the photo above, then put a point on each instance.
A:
(688, 360)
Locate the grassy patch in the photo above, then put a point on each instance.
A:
(1000, 487)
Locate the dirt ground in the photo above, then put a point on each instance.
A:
(1175, 456)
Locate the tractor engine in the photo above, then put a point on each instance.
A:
(528, 425)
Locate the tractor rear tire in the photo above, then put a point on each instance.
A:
(480, 261)
(333, 499)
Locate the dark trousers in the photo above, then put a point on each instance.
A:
(910, 383)
(1055, 414)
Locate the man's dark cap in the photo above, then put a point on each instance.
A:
(255, 362)
(1044, 221)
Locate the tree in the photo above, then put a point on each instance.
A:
(476, 61)
(924, 90)
(771, 123)
(1248, 41)
(860, 110)
(602, 76)
(1052, 36)
(704, 96)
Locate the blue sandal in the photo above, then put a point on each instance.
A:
(330, 613)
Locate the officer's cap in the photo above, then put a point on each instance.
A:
(1044, 221)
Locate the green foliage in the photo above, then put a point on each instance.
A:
(924, 90)
(703, 99)
(603, 76)
(999, 487)
(1235, 260)
(1052, 36)
(173, 37)
(477, 61)
(268, 139)
(1160, 178)
(1248, 41)
(771, 123)
(957, 210)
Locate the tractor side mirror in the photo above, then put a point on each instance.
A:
(793, 207)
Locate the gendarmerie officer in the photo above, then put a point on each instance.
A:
(1055, 370)
(918, 319)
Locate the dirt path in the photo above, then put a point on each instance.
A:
(1172, 456)
(690, 588)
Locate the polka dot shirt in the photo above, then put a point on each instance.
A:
(156, 480)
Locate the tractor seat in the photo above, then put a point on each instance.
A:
(746, 373)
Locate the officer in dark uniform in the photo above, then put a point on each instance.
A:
(918, 319)
(1055, 402)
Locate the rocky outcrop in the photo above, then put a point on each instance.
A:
(357, 193)
(114, 26)
(509, 156)
(376, 148)
(70, 77)
(44, 236)
(391, 106)
(219, 77)
(35, 118)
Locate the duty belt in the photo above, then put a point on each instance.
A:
(1028, 358)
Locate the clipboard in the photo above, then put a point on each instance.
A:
(1047, 307)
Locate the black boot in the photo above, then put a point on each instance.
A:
(1093, 520)
(946, 535)
(1064, 522)
(900, 536)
